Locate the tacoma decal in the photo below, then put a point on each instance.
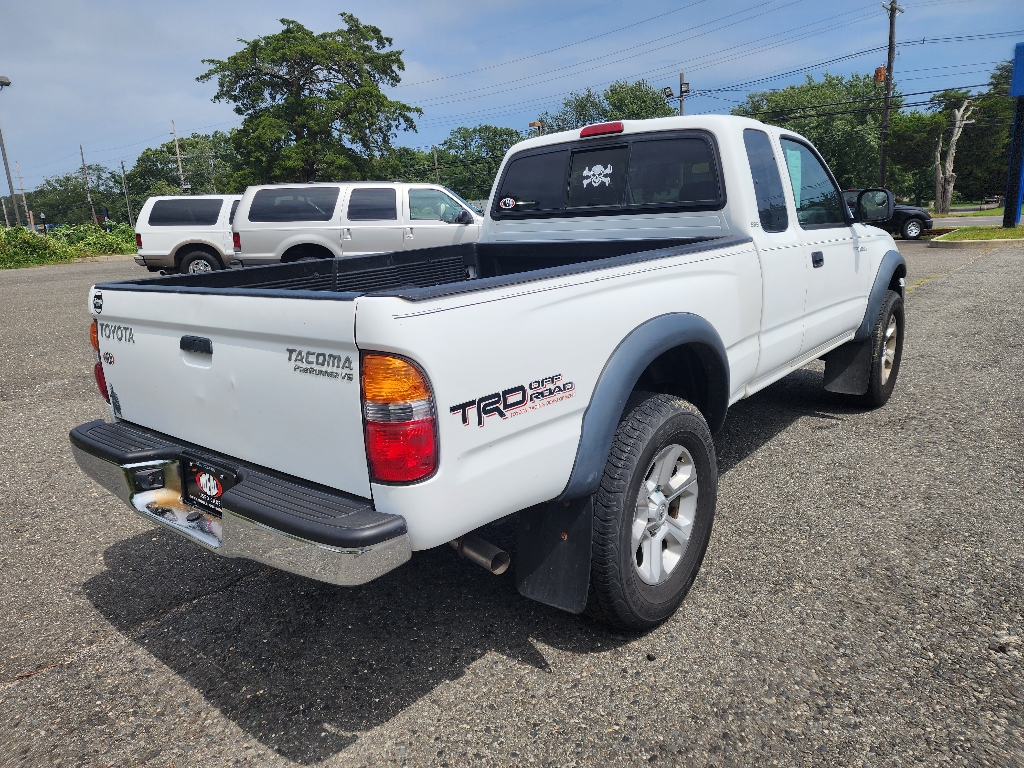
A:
(122, 333)
(325, 364)
(516, 400)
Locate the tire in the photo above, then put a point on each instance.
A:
(912, 229)
(199, 263)
(886, 351)
(629, 586)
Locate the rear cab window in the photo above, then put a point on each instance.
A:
(185, 212)
(631, 174)
(282, 204)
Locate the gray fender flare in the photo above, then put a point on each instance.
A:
(621, 373)
(848, 368)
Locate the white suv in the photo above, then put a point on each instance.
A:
(289, 222)
(190, 233)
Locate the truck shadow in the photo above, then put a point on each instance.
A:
(305, 667)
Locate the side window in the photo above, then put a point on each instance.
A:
(818, 202)
(234, 208)
(672, 171)
(294, 204)
(533, 183)
(369, 204)
(771, 201)
(432, 205)
(598, 177)
(184, 212)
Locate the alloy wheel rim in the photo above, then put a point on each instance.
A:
(663, 517)
(200, 265)
(913, 229)
(889, 353)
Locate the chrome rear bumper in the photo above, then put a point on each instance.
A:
(233, 534)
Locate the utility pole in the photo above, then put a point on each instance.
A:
(181, 174)
(213, 183)
(21, 184)
(85, 178)
(437, 173)
(684, 88)
(4, 82)
(7, 222)
(892, 8)
(127, 200)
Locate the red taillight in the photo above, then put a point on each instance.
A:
(138, 241)
(401, 431)
(101, 381)
(401, 452)
(236, 241)
(600, 129)
(97, 371)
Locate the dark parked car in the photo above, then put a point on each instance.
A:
(909, 221)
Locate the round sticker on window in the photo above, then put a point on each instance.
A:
(507, 203)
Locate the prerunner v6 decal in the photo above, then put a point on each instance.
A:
(516, 400)
(321, 364)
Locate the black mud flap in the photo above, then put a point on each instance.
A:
(848, 368)
(553, 553)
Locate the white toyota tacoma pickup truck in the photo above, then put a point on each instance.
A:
(632, 280)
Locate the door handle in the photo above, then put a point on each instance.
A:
(198, 344)
(408, 233)
(817, 259)
(346, 233)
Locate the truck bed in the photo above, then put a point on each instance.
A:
(428, 272)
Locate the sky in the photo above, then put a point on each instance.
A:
(111, 76)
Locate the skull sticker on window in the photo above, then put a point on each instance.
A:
(599, 174)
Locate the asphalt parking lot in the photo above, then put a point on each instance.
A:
(861, 602)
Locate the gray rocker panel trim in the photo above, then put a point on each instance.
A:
(621, 373)
(892, 261)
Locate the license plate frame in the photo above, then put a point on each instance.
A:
(203, 484)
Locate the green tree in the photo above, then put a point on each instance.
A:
(983, 152)
(64, 201)
(622, 100)
(312, 103)
(209, 165)
(910, 154)
(841, 116)
(467, 161)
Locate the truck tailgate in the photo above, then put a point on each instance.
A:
(278, 387)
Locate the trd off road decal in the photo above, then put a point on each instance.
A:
(324, 364)
(516, 400)
(122, 333)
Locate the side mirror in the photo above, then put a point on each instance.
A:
(875, 205)
(465, 217)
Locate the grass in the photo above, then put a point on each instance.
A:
(954, 215)
(21, 248)
(984, 233)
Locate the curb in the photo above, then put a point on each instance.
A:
(972, 243)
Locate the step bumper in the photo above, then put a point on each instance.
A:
(281, 521)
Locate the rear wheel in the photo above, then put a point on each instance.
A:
(652, 513)
(912, 229)
(199, 262)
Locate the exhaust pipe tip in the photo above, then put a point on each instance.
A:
(483, 553)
